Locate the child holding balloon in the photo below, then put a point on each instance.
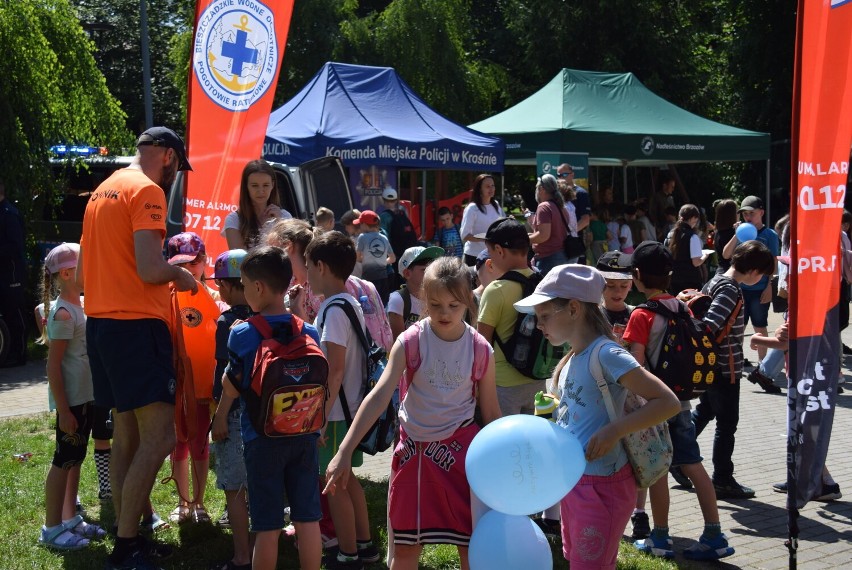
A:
(429, 500)
(596, 511)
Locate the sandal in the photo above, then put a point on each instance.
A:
(87, 530)
(61, 538)
(153, 523)
(179, 515)
(199, 515)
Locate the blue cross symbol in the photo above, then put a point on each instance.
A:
(239, 52)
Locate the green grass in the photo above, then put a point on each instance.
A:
(197, 546)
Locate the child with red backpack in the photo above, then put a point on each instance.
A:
(446, 368)
(275, 465)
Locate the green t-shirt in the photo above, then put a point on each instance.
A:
(598, 230)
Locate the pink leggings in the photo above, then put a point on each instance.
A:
(198, 446)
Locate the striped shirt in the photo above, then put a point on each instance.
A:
(725, 292)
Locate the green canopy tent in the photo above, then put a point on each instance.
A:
(619, 122)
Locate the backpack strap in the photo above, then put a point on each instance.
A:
(411, 343)
(365, 342)
(729, 324)
(521, 279)
(405, 293)
(596, 369)
(480, 356)
(663, 311)
(363, 335)
(262, 326)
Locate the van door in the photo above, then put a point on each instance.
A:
(325, 183)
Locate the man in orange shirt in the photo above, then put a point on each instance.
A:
(127, 331)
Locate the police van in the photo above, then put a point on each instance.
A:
(303, 190)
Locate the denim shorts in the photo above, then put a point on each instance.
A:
(230, 466)
(684, 442)
(277, 467)
(131, 362)
(753, 309)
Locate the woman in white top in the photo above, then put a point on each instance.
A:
(478, 215)
(259, 203)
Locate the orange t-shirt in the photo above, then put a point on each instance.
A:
(126, 202)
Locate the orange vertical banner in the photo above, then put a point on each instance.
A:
(821, 138)
(237, 50)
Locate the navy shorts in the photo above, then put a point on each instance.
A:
(753, 309)
(279, 467)
(131, 362)
(71, 447)
(102, 423)
(685, 450)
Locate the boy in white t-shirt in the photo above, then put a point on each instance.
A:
(330, 258)
(406, 306)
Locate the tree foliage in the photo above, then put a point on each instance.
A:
(52, 92)
(728, 60)
(119, 54)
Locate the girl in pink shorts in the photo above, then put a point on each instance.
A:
(596, 511)
(443, 368)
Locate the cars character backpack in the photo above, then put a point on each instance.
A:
(289, 381)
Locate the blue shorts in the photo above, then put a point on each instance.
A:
(131, 362)
(754, 310)
(335, 432)
(685, 450)
(279, 466)
(230, 466)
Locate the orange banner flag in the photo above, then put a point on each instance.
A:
(236, 57)
(821, 137)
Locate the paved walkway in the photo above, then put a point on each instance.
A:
(757, 528)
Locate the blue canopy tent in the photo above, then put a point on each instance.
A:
(369, 116)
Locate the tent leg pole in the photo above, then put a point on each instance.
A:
(767, 192)
(624, 177)
(423, 207)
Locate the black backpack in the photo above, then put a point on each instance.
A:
(381, 434)
(401, 233)
(527, 350)
(689, 355)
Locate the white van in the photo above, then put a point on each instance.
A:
(303, 190)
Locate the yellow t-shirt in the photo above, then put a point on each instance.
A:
(496, 309)
(126, 202)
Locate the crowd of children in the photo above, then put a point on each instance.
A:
(461, 352)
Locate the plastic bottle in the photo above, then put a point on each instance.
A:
(522, 345)
(545, 405)
(366, 305)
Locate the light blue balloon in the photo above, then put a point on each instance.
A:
(746, 232)
(508, 541)
(523, 464)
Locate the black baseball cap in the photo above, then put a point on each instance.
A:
(615, 265)
(508, 233)
(167, 138)
(751, 203)
(652, 258)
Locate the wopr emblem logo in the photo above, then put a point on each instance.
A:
(235, 55)
(647, 146)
